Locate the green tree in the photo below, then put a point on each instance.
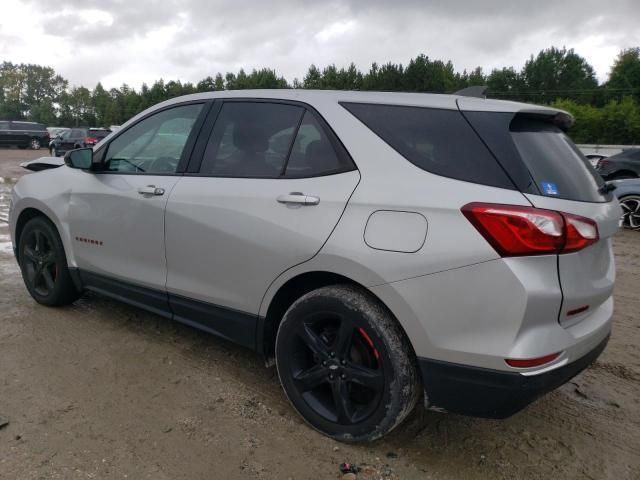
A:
(624, 78)
(555, 73)
(313, 78)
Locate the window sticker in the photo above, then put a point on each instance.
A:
(549, 188)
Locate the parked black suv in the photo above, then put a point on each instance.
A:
(23, 134)
(622, 165)
(76, 138)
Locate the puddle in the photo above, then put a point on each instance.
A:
(6, 185)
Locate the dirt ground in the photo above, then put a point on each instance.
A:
(103, 390)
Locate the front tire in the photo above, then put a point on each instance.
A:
(345, 364)
(44, 264)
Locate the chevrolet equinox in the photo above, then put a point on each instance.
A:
(381, 248)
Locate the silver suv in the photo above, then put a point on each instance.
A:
(382, 248)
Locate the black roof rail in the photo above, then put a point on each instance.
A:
(477, 91)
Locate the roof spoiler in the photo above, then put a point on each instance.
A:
(478, 91)
(559, 118)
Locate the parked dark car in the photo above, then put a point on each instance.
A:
(23, 134)
(622, 165)
(76, 138)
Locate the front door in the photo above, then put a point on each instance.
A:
(272, 185)
(118, 212)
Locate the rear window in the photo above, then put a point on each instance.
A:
(98, 133)
(555, 163)
(438, 141)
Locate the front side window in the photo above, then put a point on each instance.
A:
(154, 145)
(4, 125)
(251, 140)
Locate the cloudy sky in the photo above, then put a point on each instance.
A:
(135, 41)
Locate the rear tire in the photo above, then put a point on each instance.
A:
(34, 144)
(345, 364)
(44, 264)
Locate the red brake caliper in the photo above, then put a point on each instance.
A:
(370, 342)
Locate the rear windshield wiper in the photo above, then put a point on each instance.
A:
(606, 188)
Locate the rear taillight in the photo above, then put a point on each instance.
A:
(91, 140)
(580, 232)
(602, 163)
(520, 231)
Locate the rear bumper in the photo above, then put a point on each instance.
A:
(490, 393)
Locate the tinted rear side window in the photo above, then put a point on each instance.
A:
(555, 163)
(312, 153)
(438, 141)
(251, 140)
(27, 126)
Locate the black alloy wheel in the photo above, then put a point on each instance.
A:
(39, 262)
(44, 264)
(345, 364)
(336, 368)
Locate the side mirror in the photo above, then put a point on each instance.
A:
(81, 158)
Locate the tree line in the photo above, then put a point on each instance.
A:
(605, 113)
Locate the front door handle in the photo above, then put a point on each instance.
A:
(298, 198)
(151, 190)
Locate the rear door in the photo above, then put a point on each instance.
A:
(273, 182)
(21, 133)
(553, 174)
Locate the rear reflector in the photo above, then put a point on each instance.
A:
(578, 310)
(531, 362)
(518, 231)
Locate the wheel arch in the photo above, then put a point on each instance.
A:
(34, 209)
(26, 215)
(293, 289)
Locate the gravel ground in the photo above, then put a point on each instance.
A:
(103, 390)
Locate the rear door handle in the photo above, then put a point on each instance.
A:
(151, 190)
(298, 198)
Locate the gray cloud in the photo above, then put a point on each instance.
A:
(133, 41)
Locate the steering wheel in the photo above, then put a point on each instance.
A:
(124, 160)
(163, 165)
